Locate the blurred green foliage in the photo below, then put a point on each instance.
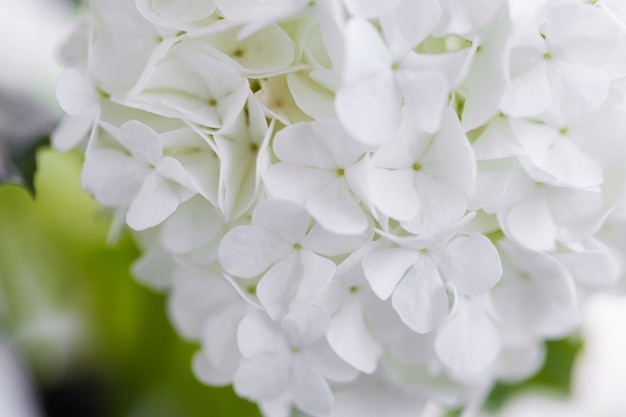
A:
(70, 307)
(555, 376)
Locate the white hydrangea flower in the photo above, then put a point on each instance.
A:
(359, 207)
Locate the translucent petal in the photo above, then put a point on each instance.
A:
(305, 324)
(75, 93)
(469, 342)
(385, 268)
(393, 193)
(112, 177)
(142, 141)
(370, 109)
(247, 251)
(279, 286)
(195, 223)
(338, 210)
(472, 264)
(288, 220)
(262, 377)
(258, 335)
(155, 201)
(352, 340)
(420, 299)
(311, 392)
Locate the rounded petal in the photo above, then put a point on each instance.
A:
(247, 251)
(75, 93)
(338, 210)
(262, 377)
(154, 203)
(350, 338)
(393, 193)
(420, 299)
(311, 392)
(112, 177)
(370, 109)
(258, 335)
(472, 264)
(469, 342)
(385, 268)
(286, 219)
(305, 324)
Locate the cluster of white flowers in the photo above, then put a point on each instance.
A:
(359, 207)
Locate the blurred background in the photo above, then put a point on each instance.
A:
(80, 337)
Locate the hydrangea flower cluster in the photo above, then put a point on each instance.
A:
(359, 207)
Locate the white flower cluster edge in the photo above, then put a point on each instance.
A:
(359, 207)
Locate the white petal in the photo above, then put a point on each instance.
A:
(268, 50)
(219, 338)
(370, 109)
(528, 94)
(247, 251)
(530, 223)
(263, 377)
(338, 210)
(352, 340)
(154, 268)
(312, 98)
(385, 268)
(154, 203)
(112, 177)
(425, 94)
(409, 23)
(195, 223)
(393, 193)
(440, 206)
(456, 168)
(75, 93)
(469, 342)
(288, 220)
(300, 144)
(279, 286)
(305, 324)
(420, 299)
(311, 392)
(317, 273)
(258, 335)
(370, 8)
(296, 183)
(71, 130)
(323, 242)
(366, 53)
(142, 141)
(472, 264)
(208, 373)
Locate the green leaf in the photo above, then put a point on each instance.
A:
(21, 164)
(25, 126)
